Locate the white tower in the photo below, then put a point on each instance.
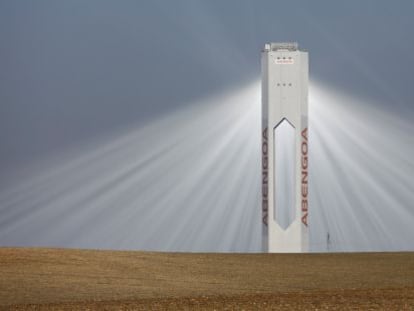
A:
(285, 148)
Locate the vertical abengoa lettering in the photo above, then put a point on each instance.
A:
(265, 176)
(304, 191)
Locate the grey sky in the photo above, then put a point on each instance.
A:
(76, 71)
(71, 70)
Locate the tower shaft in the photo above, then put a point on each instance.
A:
(285, 148)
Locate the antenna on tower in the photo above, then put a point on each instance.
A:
(328, 242)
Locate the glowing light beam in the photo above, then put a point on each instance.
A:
(190, 181)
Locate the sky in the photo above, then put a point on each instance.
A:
(75, 72)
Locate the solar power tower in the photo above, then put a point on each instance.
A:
(284, 133)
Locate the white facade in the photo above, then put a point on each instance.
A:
(284, 134)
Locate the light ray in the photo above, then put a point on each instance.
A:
(190, 181)
(361, 166)
(172, 185)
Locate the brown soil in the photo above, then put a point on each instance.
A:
(63, 279)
